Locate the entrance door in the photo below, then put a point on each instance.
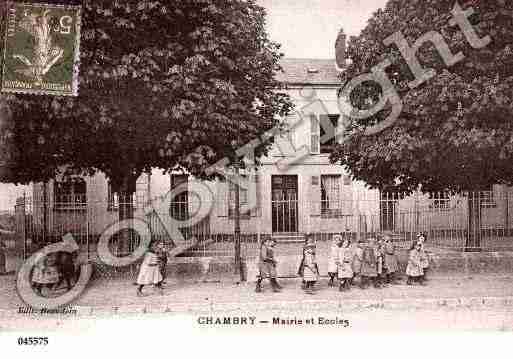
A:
(284, 204)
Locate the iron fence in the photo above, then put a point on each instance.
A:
(480, 220)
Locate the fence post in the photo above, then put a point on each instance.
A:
(506, 211)
(358, 216)
(45, 212)
(417, 214)
(238, 261)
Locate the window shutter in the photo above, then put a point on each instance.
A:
(346, 198)
(314, 196)
(315, 135)
(325, 126)
(222, 198)
(256, 211)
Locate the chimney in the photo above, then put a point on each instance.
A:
(340, 50)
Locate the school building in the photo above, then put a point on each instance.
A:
(298, 190)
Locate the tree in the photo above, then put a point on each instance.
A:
(455, 131)
(163, 84)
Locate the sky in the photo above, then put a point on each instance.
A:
(309, 28)
(305, 28)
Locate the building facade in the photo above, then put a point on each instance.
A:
(296, 190)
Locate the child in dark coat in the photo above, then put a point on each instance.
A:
(369, 268)
(162, 257)
(391, 264)
(267, 266)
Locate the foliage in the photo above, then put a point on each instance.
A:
(163, 84)
(455, 131)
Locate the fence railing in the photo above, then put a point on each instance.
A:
(482, 220)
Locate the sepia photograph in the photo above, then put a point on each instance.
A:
(259, 165)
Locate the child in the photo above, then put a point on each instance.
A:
(391, 263)
(149, 272)
(414, 269)
(369, 265)
(310, 269)
(267, 266)
(344, 263)
(380, 261)
(357, 260)
(66, 268)
(424, 259)
(45, 274)
(333, 256)
(309, 239)
(162, 256)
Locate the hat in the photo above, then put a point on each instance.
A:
(337, 237)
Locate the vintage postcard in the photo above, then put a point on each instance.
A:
(256, 165)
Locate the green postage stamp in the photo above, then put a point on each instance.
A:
(41, 49)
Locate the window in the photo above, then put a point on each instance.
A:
(70, 194)
(440, 201)
(114, 199)
(330, 196)
(487, 198)
(243, 200)
(179, 208)
(323, 133)
(328, 132)
(247, 209)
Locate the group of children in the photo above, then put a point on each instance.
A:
(54, 269)
(370, 261)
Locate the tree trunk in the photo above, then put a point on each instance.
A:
(237, 249)
(473, 240)
(45, 214)
(126, 237)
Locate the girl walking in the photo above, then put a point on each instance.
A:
(357, 261)
(345, 263)
(333, 257)
(391, 264)
(414, 269)
(309, 240)
(310, 269)
(424, 259)
(45, 274)
(369, 265)
(267, 266)
(149, 272)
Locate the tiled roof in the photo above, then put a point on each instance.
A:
(308, 71)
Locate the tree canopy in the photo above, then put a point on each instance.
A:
(163, 84)
(455, 131)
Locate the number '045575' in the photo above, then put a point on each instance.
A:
(33, 341)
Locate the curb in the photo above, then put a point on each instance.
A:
(306, 305)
